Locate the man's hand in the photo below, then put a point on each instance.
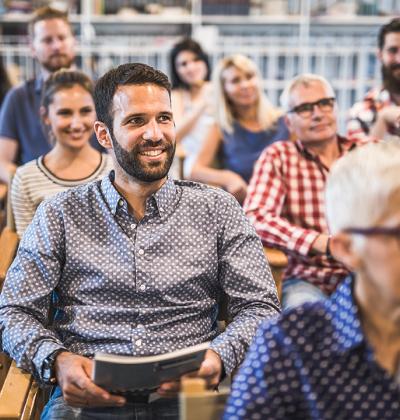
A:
(210, 370)
(73, 373)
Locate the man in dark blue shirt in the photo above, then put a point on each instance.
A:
(21, 134)
(339, 358)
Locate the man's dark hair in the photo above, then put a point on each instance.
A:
(392, 26)
(46, 13)
(186, 44)
(123, 75)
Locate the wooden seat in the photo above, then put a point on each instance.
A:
(277, 262)
(197, 403)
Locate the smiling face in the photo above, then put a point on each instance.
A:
(143, 135)
(191, 69)
(240, 87)
(53, 44)
(320, 126)
(71, 116)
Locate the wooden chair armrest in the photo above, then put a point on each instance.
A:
(195, 402)
(278, 262)
(275, 257)
(3, 193)
(14, 393)
(8, 247)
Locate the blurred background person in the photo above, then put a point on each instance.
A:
(378, 114)
(246, 123)
(68, 113)
(5, 83)
(191, 98)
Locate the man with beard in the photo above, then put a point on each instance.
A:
(138, 262)
(378, 115)
(22, 137)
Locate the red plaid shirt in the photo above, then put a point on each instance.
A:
(363, 114)
(285, 203)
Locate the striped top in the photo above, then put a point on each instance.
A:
(33, 183)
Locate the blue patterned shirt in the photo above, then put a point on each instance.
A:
(314, 363)
(136, 288)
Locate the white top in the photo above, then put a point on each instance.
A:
(33, 183)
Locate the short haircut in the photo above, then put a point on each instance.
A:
(304, 79)
(392, 26)
(64, 79)
(186, 44)
(361, 185)
(123, 75)
(267, 115)
(46, 13)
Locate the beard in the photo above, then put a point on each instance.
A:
(130, 161)
(390, 81)
(57, 62)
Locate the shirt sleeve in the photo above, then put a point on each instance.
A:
(22, 204)
(264, 206)
(8, 113)
(244, 275)
(266, 385)
(28, 292)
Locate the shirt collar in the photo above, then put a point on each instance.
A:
(345, 145)
(163, 199)
(345, 316)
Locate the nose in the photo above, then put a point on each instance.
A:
(76, 122)
(317, 113)
(152, 131)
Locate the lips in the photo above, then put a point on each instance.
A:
(152, 153)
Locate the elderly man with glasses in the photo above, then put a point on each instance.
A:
(285, 200)
(339, 358)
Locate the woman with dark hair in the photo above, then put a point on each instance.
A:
(191, 98)
(5, 83)
(68, 114)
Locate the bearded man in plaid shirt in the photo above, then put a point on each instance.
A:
(378, 114)
(285, 198)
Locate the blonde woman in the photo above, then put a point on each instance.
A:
(245, 124)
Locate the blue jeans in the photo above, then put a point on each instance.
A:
(163, 409)
(295, 292)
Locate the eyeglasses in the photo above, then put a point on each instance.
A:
(379, 230)
(306, 110)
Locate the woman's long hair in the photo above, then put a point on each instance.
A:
(186, 44)
(267, 114)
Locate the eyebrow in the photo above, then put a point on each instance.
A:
(143, 114)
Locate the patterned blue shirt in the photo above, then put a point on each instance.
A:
(314, 363)
(136, 288)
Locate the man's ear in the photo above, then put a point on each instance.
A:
(288, 123)
(342, 248)
(102, 134)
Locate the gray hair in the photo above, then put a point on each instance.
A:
(304, 79)
(361, 185)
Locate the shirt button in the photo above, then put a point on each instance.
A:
(120, 202)
(142, 287)
(138, 343)
(141, 251)
(133, 226)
